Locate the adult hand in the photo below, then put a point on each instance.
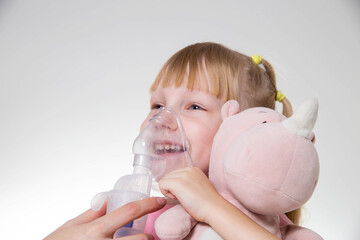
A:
(95, 225)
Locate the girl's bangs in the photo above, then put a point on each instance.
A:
(194, 75)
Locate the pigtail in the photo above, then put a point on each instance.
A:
(287, 111)
(286, 105)
(295, 216)
(287, 108)
(269, 71)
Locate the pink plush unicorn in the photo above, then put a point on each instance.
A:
(264, 164)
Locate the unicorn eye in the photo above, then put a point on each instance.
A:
(264, 122)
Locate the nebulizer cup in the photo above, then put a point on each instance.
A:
(161, 147)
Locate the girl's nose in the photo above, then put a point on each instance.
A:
(167, 118)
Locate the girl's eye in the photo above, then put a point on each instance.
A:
(196, 107)
(156, 106)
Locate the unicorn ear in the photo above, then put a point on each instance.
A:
(303, 120)
(229, 109)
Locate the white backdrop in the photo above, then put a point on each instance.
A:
(74, 79)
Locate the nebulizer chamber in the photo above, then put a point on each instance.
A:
(159, 148)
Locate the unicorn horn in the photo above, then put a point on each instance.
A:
(303, 120)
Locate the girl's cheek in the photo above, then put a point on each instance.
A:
(187, 126)
(209, 130)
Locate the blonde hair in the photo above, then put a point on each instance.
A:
(227, 74)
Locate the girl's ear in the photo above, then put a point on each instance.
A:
(229, 109)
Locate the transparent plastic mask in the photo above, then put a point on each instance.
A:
(163, 140)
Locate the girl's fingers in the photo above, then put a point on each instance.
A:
(166, 189)
(109, 223)
(172, 201)
(177, 172)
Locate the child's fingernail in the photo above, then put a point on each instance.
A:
(161, 200)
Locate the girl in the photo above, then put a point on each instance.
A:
(196, 82)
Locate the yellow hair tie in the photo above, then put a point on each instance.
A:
(256, 58)
(279, 96)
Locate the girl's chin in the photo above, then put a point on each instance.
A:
(174, 160)
(174, 157)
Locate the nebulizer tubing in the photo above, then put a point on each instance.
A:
(159, 148)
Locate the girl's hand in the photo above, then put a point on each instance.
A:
(200, 199)
(194, 191)
(95, 225)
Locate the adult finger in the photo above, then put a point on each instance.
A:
(127, 213)
(86, 217)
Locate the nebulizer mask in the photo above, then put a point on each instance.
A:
(161, 147)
